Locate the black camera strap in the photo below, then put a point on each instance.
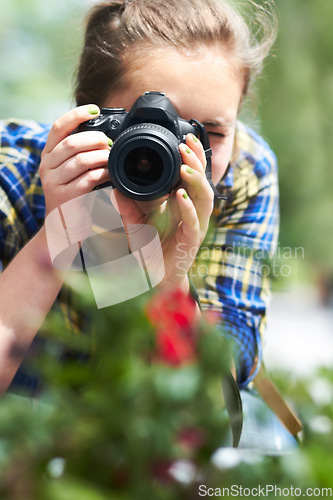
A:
(231, 395)
(203, 136)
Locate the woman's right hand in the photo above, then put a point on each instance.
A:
(73, 164)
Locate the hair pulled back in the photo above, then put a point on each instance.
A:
(118, 28)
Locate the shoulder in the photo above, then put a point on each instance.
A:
(253, 166)
(21, 144)
(253, 152)
(13, 129)
(22, 137)
(21, 197)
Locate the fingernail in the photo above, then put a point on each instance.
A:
(188, 151)
(110, 142)
(189, 170)
(195, 138)
(185, 195)
(93, 109)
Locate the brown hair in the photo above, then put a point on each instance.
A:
(118, 28)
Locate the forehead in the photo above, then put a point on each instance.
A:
(204, 84)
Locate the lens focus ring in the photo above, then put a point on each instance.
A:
(145, 161)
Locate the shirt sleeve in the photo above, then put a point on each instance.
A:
(234, 262)
(22, 206)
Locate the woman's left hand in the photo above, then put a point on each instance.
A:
(182, 219)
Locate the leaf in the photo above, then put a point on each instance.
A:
(178, 385)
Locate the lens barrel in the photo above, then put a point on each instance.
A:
(144, 162)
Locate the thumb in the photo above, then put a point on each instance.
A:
(126, 207)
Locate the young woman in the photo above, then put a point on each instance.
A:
(203, 56)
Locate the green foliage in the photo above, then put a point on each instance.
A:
(297, 94)
(114, 418)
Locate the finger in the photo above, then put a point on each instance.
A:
(126, 207)
(68, 122)
(196, 146)
(190, 158)
(200, 193)
(75, 144)
(173, 209)
(86, 182)
(132, 219)
(167, 216)
(196, 185)
(189, 229)
(79, 164)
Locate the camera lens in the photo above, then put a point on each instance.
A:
(144, 162)
(143, 166)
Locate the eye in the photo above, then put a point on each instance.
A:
(216, 134)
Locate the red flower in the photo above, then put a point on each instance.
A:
(161, 471)
(174, 316)
(192, 438)
(174, 307)
(174, 348)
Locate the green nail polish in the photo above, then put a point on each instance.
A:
(195, 138)
(189, 170)
(185, 195)
(188, 151)
(93, 109)
(110, 142)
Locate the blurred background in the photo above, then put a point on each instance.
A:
(295, 99)
(39, 47)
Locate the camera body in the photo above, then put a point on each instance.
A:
(144, 161)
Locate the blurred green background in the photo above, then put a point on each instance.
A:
(39, 47)
(296, 111)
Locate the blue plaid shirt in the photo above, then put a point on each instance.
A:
(228, 271)
(232, 269)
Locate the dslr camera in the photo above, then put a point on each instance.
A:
(144, 161)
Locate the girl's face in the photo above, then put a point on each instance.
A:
(204, 84)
